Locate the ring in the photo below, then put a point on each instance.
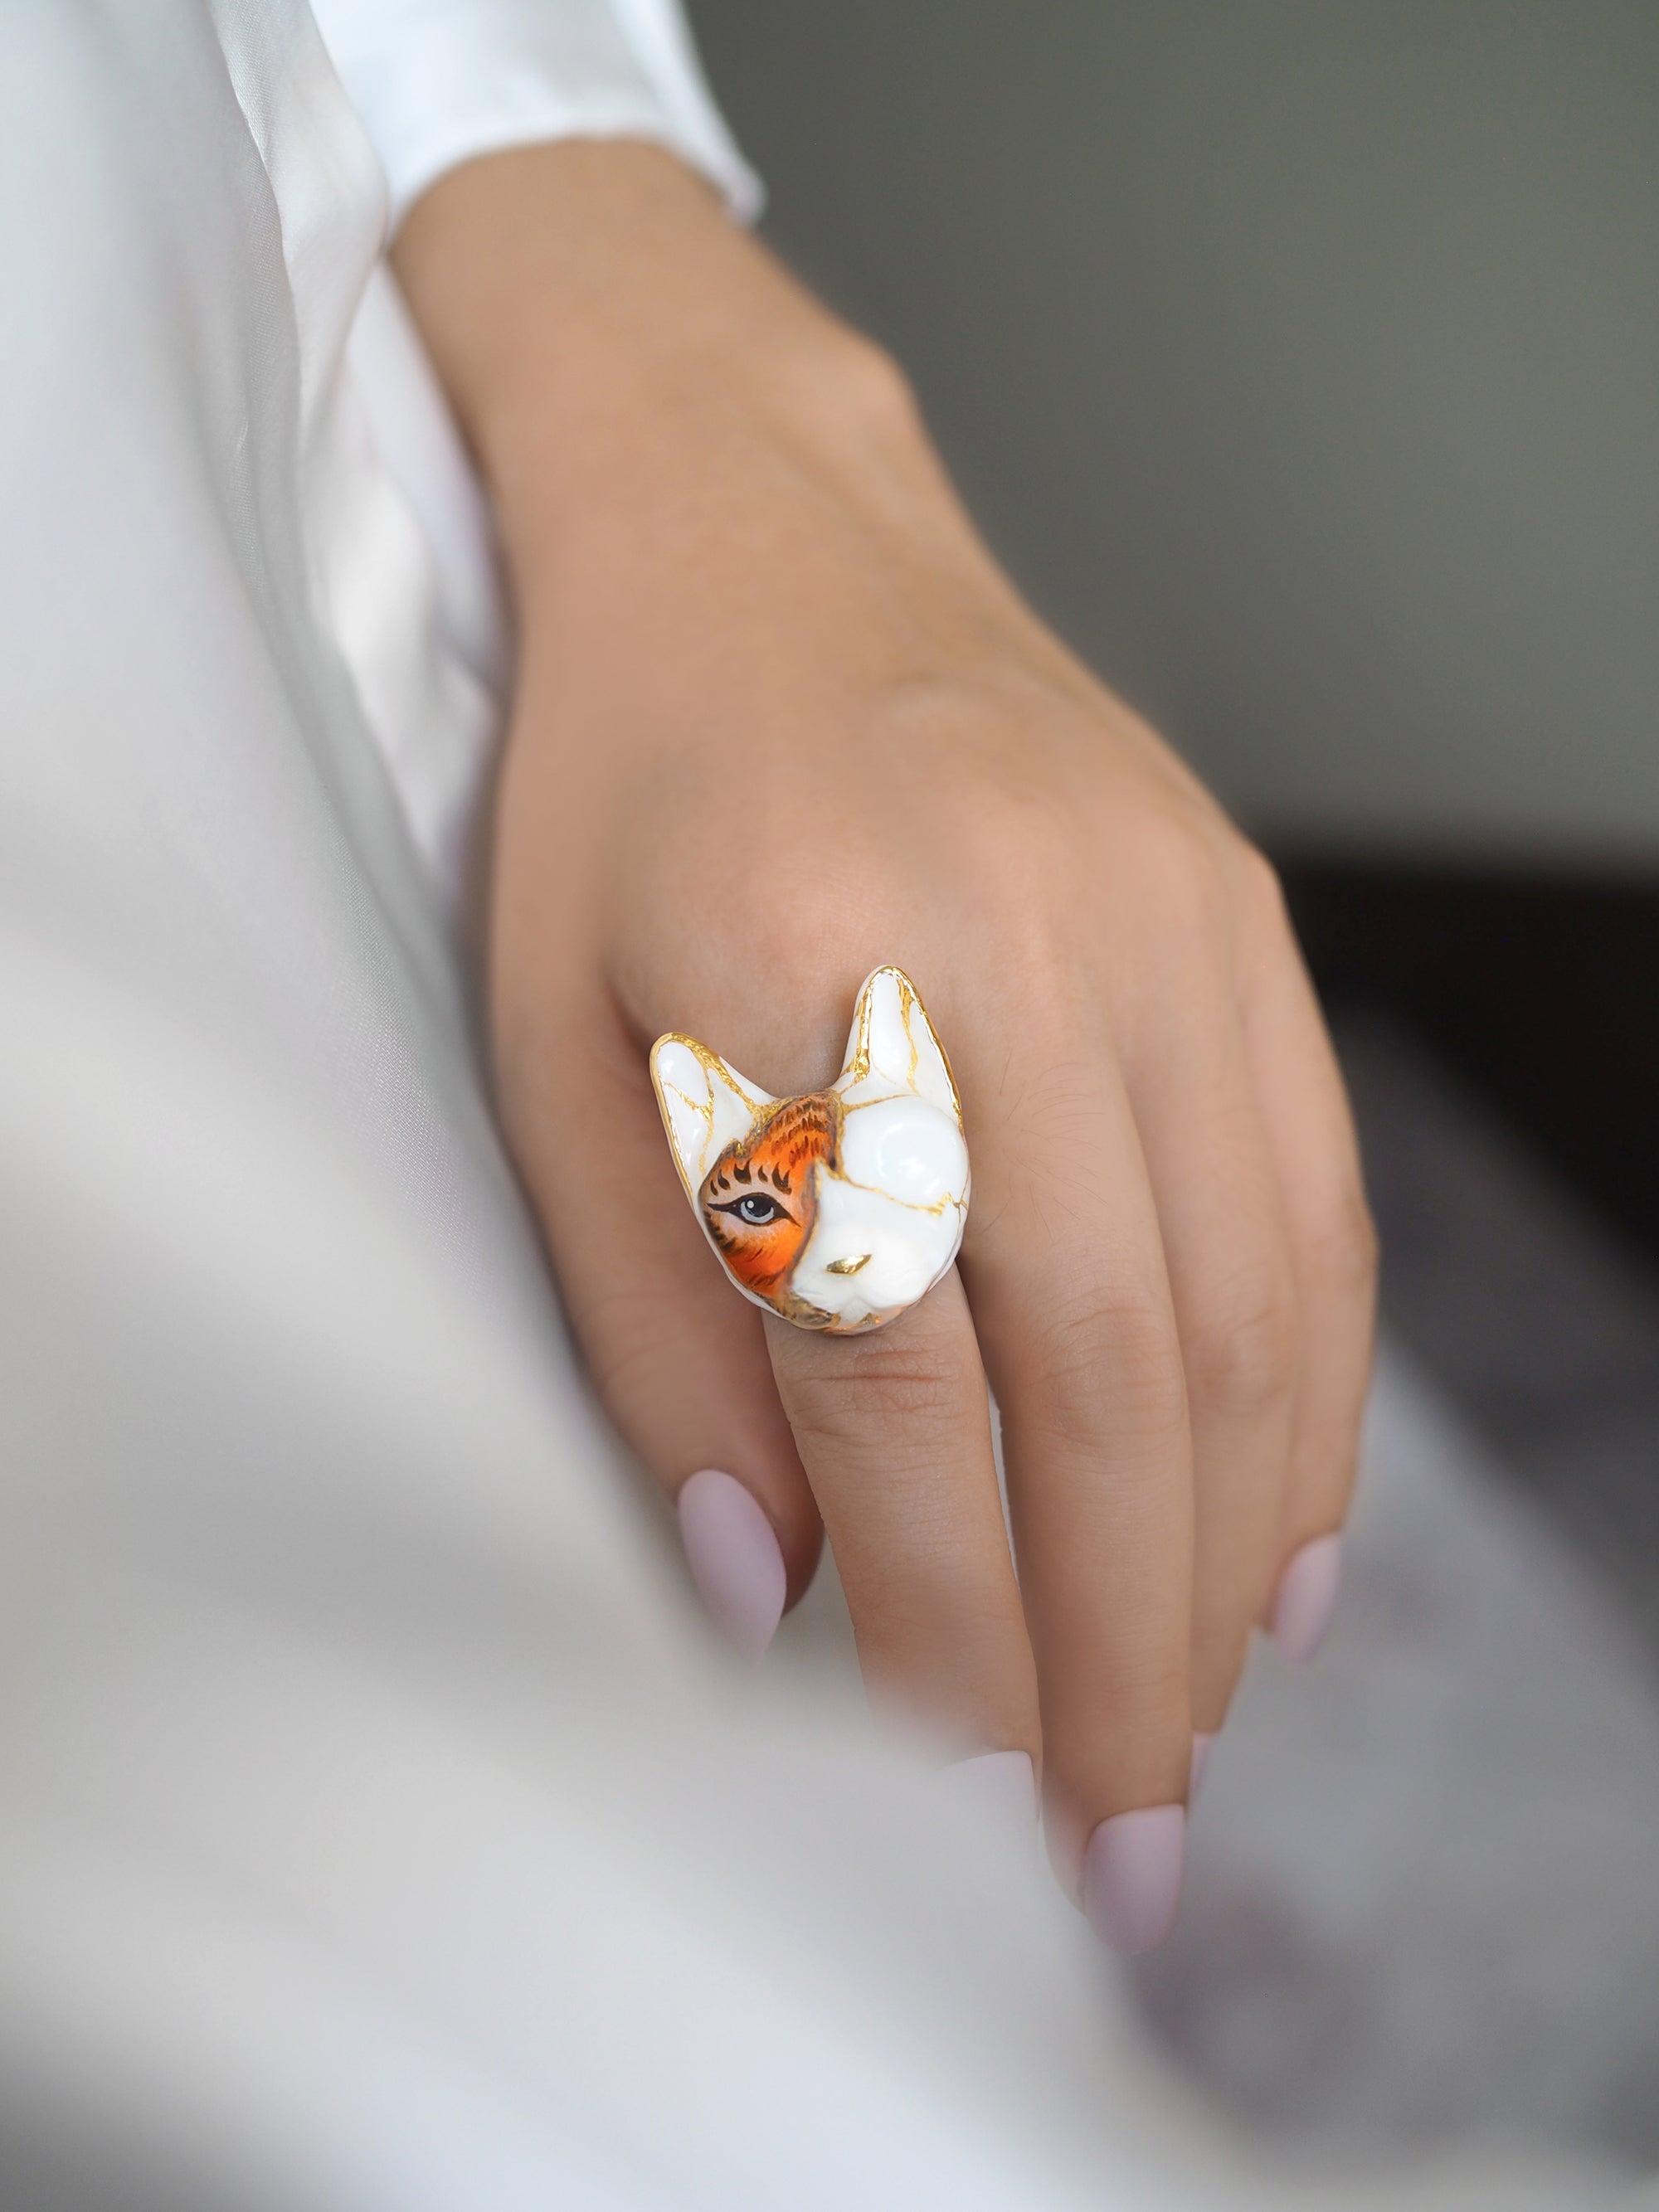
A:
(841, 1208)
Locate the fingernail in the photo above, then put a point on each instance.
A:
(1307, 1598)
(1003, 1782)
(734, 1559)
(1131, 1877)
(1200, 1759)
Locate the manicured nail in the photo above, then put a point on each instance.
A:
(1307, 1598)
(1004, 1781)
(1200, 1759)
(1131, 1877)
(734, 1559)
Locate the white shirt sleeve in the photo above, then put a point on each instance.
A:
(437, 82)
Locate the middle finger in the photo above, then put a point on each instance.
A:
(894, 1431)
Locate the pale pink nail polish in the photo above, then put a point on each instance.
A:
(1201, 1745)
(734, 1559)
(1131, 1877)
(1004, 1781)
(1307, 1597)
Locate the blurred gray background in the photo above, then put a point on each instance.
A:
(1300, 356)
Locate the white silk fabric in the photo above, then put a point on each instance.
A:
(380, 1828)
(435, 82)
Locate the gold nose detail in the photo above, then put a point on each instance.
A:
(849, 1267)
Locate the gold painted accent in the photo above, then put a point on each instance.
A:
(910, 1205)
(849, 1267)
(910, 1001)
(710, 1063)
(858, 1061)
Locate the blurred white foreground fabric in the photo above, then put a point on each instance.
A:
(379, 1828)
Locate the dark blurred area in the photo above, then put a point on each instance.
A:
(1302, 361)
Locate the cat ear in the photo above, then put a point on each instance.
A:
(893, 1045)
(706, 1105)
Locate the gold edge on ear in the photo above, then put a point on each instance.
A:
(913, 1004)
(729, 1107)
(660, 1085)
(857, 1064)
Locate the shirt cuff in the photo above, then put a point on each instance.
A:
(436, 82)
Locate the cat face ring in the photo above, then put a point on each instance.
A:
(840, 1208)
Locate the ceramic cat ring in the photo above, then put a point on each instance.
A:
(839, 1208)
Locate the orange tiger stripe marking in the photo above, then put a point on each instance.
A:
(774, 1161)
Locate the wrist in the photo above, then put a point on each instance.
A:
(595, 316)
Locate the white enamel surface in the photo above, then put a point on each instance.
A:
(901, 1198)
(907, 1251)
(706, 1106)
(907, 1148)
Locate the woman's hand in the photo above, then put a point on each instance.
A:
(780, 720)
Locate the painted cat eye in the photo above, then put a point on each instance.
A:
(757, 1211)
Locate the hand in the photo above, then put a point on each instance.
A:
(780, 720)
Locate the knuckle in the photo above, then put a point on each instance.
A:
(1342, 1260)
(1120, 1729)
(1241, 1356)
(871, 382)
(1262, 893)
(1181, 886)
(1179, 855)
(1221, 1648)
(622, 1359)
(875, 1391)
(1018, 856)
(1112, 1361)
(1153, 1676)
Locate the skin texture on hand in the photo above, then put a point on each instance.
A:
(780, 720)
